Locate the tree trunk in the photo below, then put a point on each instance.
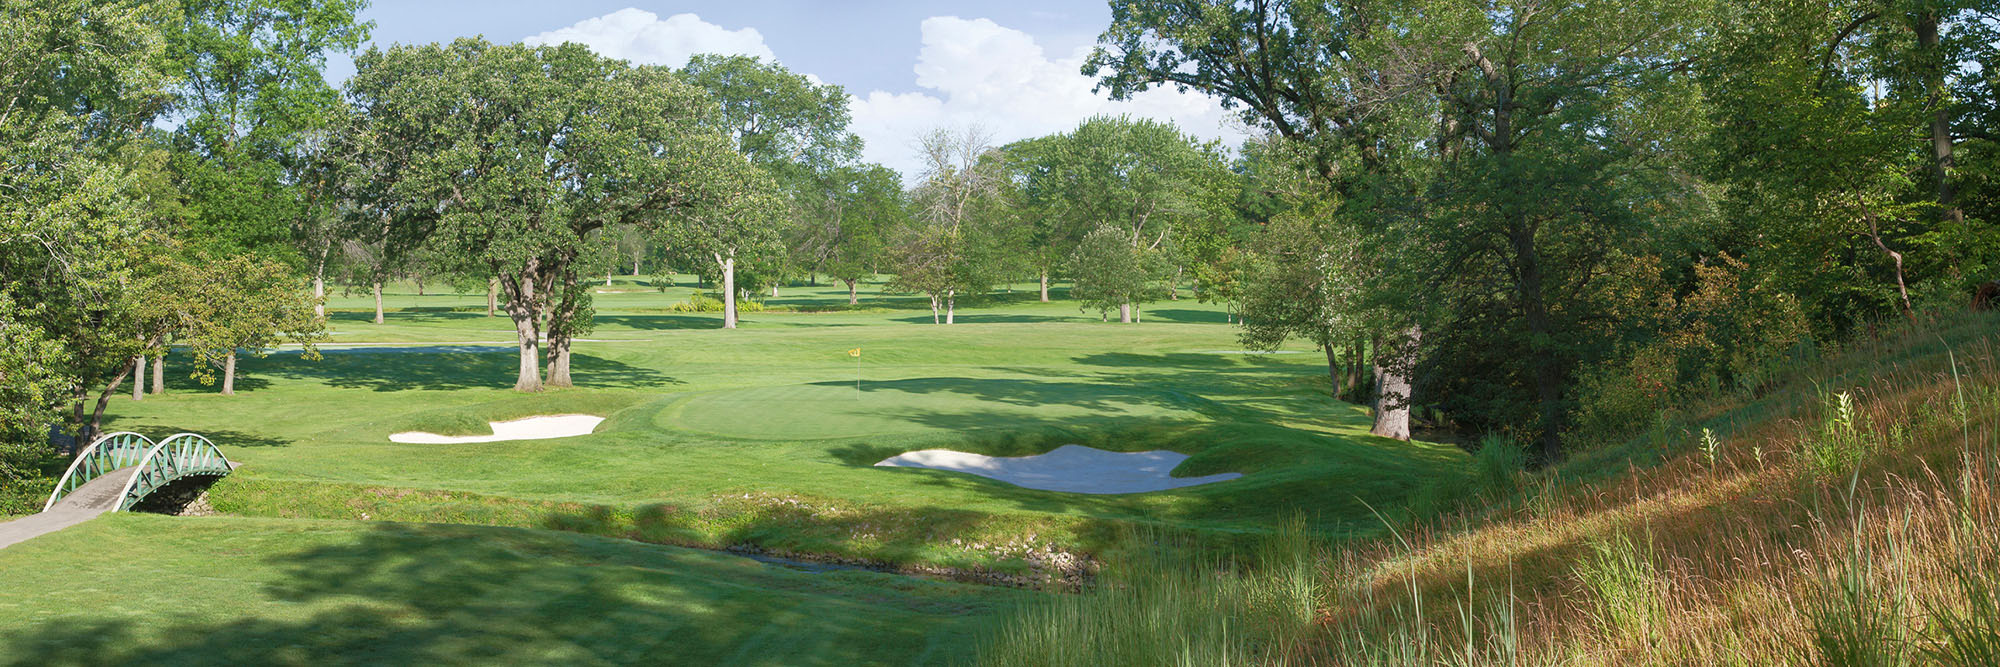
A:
(1902, 289)
(1332, 368)
(521, 307)
(160, 373)
(492, 296)
(562, 330)
(1541, 330)
(1045, 286)
(728, 291)
(420, 284)
(229, 374)
(852, 296)
(1174, 286)
(1125, 313)
(319, 297)
(1356, 371)
(950, 306)
(607, 278)
(139, 378)
(934, 310)
(774, 291)
(378, 302)
(90, 430)
(1392, 389)
(1942, 158)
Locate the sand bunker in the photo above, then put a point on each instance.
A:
(1071, 468)
(531, 428)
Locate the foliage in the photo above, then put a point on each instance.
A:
(849, 220)
(703, 303)
(1305, 279)
(74, 222)
(959, 208)
(1167, 191)
(778, 119)
(245, 303)
(1733, 331)
(1110, 274)
(592, 141)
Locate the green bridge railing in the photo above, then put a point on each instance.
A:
(180, 456)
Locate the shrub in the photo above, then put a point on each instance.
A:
(26, 477)
(709, 303)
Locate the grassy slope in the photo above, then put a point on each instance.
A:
(267, 591)
(1646, 552)
(735, 431)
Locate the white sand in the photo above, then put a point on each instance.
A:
(1071, 468)
(531, 428)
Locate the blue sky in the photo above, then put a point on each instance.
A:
(1010, 68)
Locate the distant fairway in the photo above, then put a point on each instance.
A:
(748, 438)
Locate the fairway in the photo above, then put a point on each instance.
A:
(231, 590)
(755, 438)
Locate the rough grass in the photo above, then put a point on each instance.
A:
(1754, 547)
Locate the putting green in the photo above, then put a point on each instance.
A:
(919, 405)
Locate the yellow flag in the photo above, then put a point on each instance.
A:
(856, 352)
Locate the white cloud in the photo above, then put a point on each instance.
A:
(979, 72)
(643, 37)
(969, 72)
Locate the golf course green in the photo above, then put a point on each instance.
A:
(757, 440)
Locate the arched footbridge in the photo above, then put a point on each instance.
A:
(114, 474)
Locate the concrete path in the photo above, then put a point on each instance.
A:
(96, 497)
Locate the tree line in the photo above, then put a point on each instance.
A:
(1554, 220)
(1542, 219)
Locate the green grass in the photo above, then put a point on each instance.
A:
(156, 590)
(345, 543)
(701, 417)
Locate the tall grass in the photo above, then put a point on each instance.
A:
(1852, 528)
(1163, 606)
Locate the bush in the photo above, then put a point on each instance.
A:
(707, 303)
(26, 477)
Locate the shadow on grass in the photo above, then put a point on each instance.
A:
(1186, 316)
(990, 318)
(1025, 392)
(661, 322)
(446, 368)
(439, 594)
